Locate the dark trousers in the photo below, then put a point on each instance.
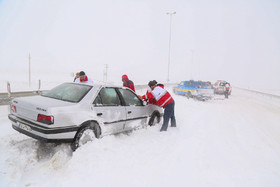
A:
(226, 94)
(168, 114)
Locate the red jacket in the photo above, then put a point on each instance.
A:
(161, 96)
(152, 100)
(227, 87)
(128, 83)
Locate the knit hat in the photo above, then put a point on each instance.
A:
(152, 83)
(82, 73)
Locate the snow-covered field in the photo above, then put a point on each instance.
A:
(234, 142)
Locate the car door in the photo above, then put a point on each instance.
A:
(136, 113)
(108, 109)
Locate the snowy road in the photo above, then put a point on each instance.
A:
(234, 142)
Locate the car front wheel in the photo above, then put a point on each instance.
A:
(155, 118)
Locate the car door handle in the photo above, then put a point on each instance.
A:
(99, 114)
(129, 112)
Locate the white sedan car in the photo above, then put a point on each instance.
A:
(220, 88)
(77, 113)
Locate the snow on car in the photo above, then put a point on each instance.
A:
(77, 113)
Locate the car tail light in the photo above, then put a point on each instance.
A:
(45, 119)
(13, 108)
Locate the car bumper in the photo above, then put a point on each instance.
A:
(219, 91)
(45, 134)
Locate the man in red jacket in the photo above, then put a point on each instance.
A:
(153, 100)
(163, 99)
(128, 83)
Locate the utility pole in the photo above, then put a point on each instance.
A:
(192, 67)
(29, 70)
(169, 13)
(9, 89)
(105, 74)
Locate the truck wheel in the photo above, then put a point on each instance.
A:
(189, 94)
(86, 134)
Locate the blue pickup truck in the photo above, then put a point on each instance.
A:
(195, 89)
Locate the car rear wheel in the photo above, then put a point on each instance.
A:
(155, 118)
(189, 94)
(86, 134)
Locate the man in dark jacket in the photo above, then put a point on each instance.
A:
(128, 83)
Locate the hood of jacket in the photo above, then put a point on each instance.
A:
(125, 77)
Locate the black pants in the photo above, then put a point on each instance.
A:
(168, 114)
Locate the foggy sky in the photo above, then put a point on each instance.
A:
(234, 40)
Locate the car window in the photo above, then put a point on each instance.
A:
(97, 101)
(208, 85)
(107, 97)
(130, 98)
(181, 83)
(68, 92)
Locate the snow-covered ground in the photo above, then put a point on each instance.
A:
(268, 91)
(234, 142)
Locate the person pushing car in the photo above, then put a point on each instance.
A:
(164, 100)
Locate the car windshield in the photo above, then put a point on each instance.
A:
(68, 92)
